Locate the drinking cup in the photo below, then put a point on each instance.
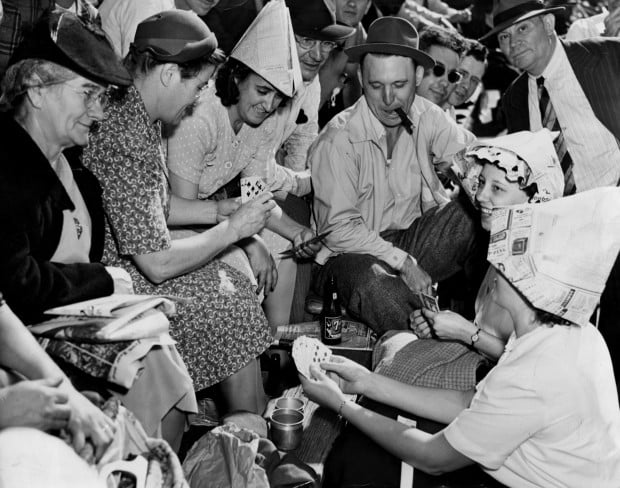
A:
(287, 427)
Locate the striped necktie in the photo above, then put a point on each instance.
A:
(550, 121)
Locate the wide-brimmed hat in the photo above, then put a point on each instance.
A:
(268, 48)
(559, 254)
(175, 36)
(391, 35)
(76, 43)
(509, 12)
(314, 19)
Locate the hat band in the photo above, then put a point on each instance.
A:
(517, 11)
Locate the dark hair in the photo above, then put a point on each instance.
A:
(476, 50)
(142, 62)
(437, 36)
(383, 55)
(229, 74)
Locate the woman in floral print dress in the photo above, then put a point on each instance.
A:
(220, 329)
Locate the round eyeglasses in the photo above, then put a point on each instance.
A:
(453, 75)
(92, 95)
(306, 43)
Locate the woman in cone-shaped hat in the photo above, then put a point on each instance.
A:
(231, 132)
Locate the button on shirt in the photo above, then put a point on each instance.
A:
(593, 148)
(359, 193)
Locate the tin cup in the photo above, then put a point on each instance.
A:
(287, 428)
(293, 403)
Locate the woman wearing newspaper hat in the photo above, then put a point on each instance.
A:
(547, 414)
(233, 131)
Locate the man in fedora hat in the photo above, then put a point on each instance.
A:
(392, 230)
(580, 81)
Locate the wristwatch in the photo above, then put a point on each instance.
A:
(475, 337)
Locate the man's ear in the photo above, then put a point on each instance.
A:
(549, 23)
(419, 74)
(167, 73)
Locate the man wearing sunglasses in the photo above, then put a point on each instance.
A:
(393, 231)
(446, 48)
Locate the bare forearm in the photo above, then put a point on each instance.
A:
(282, 224)
(21, 352)
(185, 211)
(430, 453)
(188, 254)
(435, 404)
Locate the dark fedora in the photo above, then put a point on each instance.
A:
(510, 12)
(77, 43)
(391, 35)
(175, 36)
(314, 19)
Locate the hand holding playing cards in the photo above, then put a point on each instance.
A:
(321, 388)
(446, 325)
(305, 249)
(350, 376)
(252, 216)
(416, 278)
(419, 325)
(226, 207)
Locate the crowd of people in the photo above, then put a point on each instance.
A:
(194, 149)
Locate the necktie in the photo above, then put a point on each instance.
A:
(550, 121)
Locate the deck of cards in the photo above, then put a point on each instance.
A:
(251, 187)
(308, 351)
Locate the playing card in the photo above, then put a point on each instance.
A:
(251, 187)
(308, 351)
(429, 301)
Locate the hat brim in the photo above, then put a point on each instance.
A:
(356, 52)
(520, 18)
(180, 51)
(333, 32)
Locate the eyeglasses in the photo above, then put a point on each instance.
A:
(306, 43)
(92, 95)
(453, 75)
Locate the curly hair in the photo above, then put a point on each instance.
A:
(437, 36)
(229, 74)
(26, 74)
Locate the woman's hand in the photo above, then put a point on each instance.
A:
(322, 389)
(226, 207)
(263, 265)
(34, 403)
(88, 422)
(449, 325)
(305, 251)
(350, 376)
(251, 217)
(419, 325)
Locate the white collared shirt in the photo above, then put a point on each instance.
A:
(593, 148)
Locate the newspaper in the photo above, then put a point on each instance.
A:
(354, 334)
(558, 254)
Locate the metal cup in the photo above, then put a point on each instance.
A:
(294, 403)
(287, 427)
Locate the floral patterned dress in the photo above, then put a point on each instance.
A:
(222, 327)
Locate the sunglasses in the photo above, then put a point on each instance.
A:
(453, 75)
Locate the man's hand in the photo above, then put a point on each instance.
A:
(34, 403)
(459, 16)
(308, 250)
(419, 325)
(416, 278)
(225, 208)
(251, 217)
(263, 265)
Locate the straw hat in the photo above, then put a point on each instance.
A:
(268, 48)
(559, 254)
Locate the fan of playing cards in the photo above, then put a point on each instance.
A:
(307, 351)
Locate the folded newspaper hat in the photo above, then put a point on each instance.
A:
(268, 48)
(528, 158)
(559, 254)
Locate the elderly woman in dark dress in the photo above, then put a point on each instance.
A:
(221, 329)
(52, 219)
